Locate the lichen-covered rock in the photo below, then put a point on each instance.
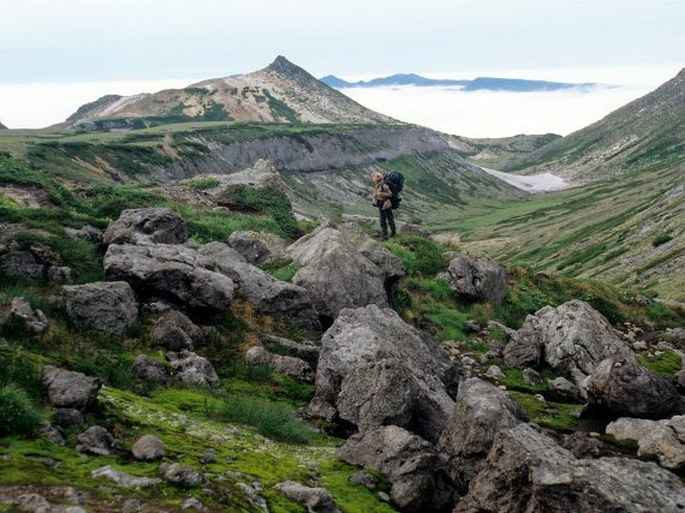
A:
(192, 369)
(67, 389)
(477, 277)
(256, 247)
(527, 472)
(172, 272)
(149, 369)
(266, 293)
(411, 464)
(623, 388)
(183, 477)
(481, 410)
(123, 479)
(108, 307)
(362, 337)
(148, 448)
(571, 339)
(147, 226)
(34, 320)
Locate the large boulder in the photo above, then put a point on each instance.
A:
(621, 387)
(107, 307)
(147, 226)
(411, 464)
(336, 275)
(477, 277)
(527, 472)
(571, 339)
(664, 439)
(480, 412)
(148, 448)
(68, 389)
(192, 369)
(268, 294)
(95, 440)
(173, 272)
(359, 339)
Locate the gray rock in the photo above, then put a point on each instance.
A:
(288, 365)
(170, 336)
(480, 412)
(95, 440)
(477, 277)
(336, 275)
(147, 226)
(263, 174)
(531, 377)
(34, 320)
(87, 232)
(107, 307)
(32, 503)
(183, 477)
(148, 448)
(51, 433)
(192, 369)
(68, 418)
(197, 333)
(563, 388)
(368, 481)
(256, 247)
(623, 388)
(123, 479)
(192, 503)
(411, 464)
(526, 471)
(149, 369)
(582, 445)
(173, 272)
(268, 294)
(572, 339)
(494, 373)
(664, 439)
(316, 500)
(359, 338)
(67, 389)
(35, 261)
(307, 351)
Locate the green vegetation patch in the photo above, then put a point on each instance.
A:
(666, 364)
(559, 417)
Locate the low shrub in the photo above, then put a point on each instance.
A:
(17, 413)
(661, 238)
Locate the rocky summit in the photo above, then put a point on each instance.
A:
(197, 312)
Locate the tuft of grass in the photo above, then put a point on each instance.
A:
(661, 238)
(200, 183)
(272, 419)
(17, 367)
(282, 269)
(421, 257)
(559, 417)
(17, 413)
(666, 364)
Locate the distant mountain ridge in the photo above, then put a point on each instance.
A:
(2, 127)
(281, 93)
(477, 84)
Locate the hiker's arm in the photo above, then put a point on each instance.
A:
(384, 192)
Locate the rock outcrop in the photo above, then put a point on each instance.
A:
(477, 277)
(145, 226)
(67, 389)
(364, 340)
(192, 369)
(527, 472)
(571, 339)
(256, 247)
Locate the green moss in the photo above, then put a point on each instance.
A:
(666, 364)
(282, 269)
(350, 498)
(513, 380)
(556, 416)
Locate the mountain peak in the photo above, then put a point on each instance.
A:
(283, 66)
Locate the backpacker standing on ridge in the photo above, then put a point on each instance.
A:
(382, 198)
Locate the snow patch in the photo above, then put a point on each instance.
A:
(121, 103)
(543, 182)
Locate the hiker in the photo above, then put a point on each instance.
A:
(381, 199)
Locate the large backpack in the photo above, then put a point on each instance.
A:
(395, 180)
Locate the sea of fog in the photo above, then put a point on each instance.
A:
(450, 110)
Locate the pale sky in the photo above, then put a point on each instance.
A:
(180, 41)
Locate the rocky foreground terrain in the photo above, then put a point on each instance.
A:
(425, 379)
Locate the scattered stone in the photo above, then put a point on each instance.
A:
(108, 307)
(412, 465)
(207, 457)
(51, 433)
(494, 373)
(149, 369)
(642, 300)
(364, 479)
(146, 226)
(34, 261)
(32, 503)
(473, 326)
(639, 346)
(307, 351)
(183, 477)
(193, 369)
(531, 377)
(256, 247)
(95, 440)
(148, 448)
(132, 505)
(664, 439)
(623, 388)
(477, 277)
(67, 389)
(253, 497)
(192, 503)
(87, 232)
(68, 417)
(170, 336)
(34, 320)
(563, 388)
(123, 479)
(290, 366)
(316, 500)
(582, 445)
(480, 412)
